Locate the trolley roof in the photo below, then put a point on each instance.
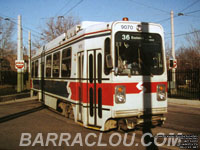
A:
(81, 30)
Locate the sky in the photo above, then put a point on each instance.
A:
(36, 12)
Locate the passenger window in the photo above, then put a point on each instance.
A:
(48, 66)
(106, 53)
(56, 64)
(66, 62)
(36, 68)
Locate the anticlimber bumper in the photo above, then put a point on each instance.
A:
(136, 112)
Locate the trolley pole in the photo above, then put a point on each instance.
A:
(173, 53)
(20, 75)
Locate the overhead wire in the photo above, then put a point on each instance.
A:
(185, 14)
(73, 7)
(189, 5)
(192, 12)
(183, 34)
(23, 27)
(68, 2)
(148, 6)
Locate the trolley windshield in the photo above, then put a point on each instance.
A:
(138, 53)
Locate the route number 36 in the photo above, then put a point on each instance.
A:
(126, 37)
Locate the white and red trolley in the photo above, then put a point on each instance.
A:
(104, 74)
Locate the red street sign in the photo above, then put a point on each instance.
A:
(19, 64)
(175, 64)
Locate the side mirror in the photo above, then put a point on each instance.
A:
(109, 61)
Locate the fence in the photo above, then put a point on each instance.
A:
(8, 82)
(187, 84)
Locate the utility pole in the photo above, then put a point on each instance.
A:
(20, 75)
(29, 59)
(173, 53)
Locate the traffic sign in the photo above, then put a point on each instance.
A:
(19, 64)
(175, 64)
(172, 64)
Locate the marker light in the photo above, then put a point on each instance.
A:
(125, 19)
(120, 94)
(161, 92)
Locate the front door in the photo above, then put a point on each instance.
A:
(80, 85)
(42, 76)
(94, 87)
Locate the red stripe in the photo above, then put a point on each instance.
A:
(108, 90)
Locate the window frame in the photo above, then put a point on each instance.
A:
(67, 58)
(57, 74)
(48, 76)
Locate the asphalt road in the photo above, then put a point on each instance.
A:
(30, 124)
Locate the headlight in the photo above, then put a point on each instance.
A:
(120, 94)
(161, 92)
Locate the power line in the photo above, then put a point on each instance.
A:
(142, 4)
(191, 12)
(178, 35)
(185, 14)
(166, 19)
(24, 27)
(63, 7)
(73, 7)
(189, 5)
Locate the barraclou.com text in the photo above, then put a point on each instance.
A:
(92, 139)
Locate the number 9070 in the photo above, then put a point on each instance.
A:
(128, 27)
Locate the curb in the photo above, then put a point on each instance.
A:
(186, 102)
(19, 100)
(14, 97)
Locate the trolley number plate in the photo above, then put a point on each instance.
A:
(127, 27)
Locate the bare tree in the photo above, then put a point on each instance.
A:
(54, 27)
(7, 46)
(167, 50)
(189, 57)
(194, 39)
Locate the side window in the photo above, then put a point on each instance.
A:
(32, 69)
(66, 62)
(36, 68)
(106, 52)
(48, 66)
(56, 64)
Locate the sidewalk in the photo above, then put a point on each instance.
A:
(193, 103)
(14, 96)
(19, 100)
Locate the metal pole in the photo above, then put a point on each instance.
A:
(29, 59)
(19, 56)
(173, 52)
(172, 34)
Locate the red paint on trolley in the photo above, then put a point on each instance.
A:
(108, 90)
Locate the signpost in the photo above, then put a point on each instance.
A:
(19, 64)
